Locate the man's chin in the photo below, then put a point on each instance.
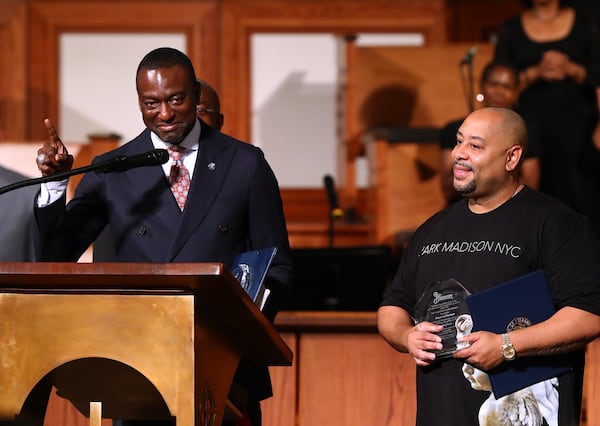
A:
(465, 189)
(170, 138)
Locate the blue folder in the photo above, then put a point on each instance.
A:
(508, 306)
(250, 269)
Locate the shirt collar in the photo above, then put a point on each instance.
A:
(190, 141)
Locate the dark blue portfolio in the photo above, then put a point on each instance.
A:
(250, 269)
(524, 301)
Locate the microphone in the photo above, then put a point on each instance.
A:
(468, 58)
(155, 157)
(334, 206)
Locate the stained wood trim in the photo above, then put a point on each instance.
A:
(12, 69)
(311, 321)
(48, 20)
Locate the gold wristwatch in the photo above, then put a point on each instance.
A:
(508, 351)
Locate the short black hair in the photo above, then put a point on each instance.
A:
(166, 57)
(492, 66)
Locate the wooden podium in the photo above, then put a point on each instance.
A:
(146, 341)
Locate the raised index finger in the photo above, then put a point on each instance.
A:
(54, 138)
(50, 127)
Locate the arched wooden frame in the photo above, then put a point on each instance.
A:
(198, 21)
(241, 19)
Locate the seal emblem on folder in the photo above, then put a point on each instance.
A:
(517, 323)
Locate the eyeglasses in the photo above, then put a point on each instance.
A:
(206, 111)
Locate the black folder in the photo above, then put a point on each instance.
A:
(515, 304)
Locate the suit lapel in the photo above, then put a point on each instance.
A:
(144, 179)
(212, 164)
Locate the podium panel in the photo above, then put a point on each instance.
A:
(148, 341)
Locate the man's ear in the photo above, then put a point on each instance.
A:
(513, 157)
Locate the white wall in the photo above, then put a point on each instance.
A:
(293, 105)
(97, 82)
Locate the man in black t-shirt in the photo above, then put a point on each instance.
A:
(501, 230)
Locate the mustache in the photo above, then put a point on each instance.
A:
(463, 165)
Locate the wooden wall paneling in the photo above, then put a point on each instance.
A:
(241, 19)
(316, 235)
(307, 216)
(414, 86)
(403, 87)
(354, 379)
(404, 186)
(13, 70)
(281, 408)
(478, 20)
(49, 18)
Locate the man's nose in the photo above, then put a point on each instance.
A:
(457, 151)
(165, 111)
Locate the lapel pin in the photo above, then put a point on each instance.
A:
(212, 166)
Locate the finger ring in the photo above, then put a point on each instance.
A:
(41, 158)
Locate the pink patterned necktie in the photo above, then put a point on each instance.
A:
(179, 178)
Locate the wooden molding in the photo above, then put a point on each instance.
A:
(48, 19)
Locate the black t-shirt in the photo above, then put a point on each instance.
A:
(530, 231)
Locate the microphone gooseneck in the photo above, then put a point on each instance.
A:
(154, 157)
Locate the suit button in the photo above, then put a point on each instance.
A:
(142, 231)
(223, 228)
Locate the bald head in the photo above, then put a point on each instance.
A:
(488, 153)
(209, 106)
(506, 124)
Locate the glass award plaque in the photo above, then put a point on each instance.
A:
(445, 303)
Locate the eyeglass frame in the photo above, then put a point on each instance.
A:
(205, 111)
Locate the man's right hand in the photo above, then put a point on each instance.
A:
(53, 156)
(422, 340)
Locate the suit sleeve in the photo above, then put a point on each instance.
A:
(268, 228)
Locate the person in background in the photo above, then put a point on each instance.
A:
(590, 166)
(461, 243)
(233, 203)
(557, 54)
(209, 107)
(499, 86)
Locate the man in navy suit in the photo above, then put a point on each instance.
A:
(233, 204)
